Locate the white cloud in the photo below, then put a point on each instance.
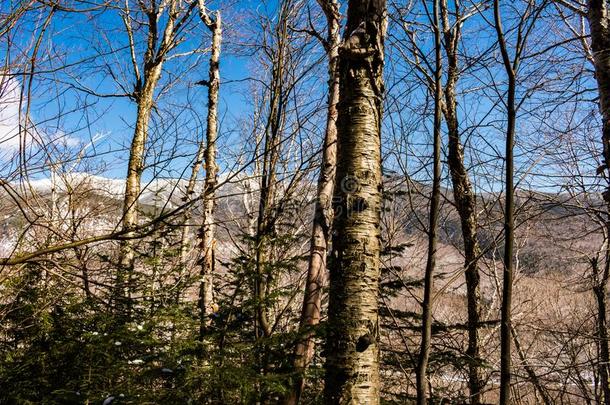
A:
(10, 138)
(9, 115)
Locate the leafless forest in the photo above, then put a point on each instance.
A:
(304, 202)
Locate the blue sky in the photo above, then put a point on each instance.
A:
(60, 102)
(75, 40)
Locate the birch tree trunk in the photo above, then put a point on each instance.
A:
(352, 348)
(185, 245)
(208, 241)
(599, 25)
(426, 329)
(464, 198)
(320, 234)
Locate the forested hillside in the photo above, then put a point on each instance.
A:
(304, 202)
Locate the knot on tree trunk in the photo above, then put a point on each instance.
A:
(364, 342)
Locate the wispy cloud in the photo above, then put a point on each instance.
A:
(11, 139)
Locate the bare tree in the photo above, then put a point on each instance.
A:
(272, 139)
(463, 193)
(160, 41)
(509, 222)
(511, 66)
(322, 219)
(208, 241)
(426, 328)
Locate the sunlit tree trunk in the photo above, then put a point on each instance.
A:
(208, 241)
(599, 25)
(464, 197)
(185, 235)
(320, 235)
(352, 348)
(134, 175)
(144, 94)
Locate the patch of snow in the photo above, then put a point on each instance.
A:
(108, 400)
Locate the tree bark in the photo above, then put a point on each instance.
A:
(352, 347)
(426, 329)
(208, 241)
(464, 198)
(599, 25)
(320, 234)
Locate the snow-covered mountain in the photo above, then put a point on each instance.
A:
(167, 193)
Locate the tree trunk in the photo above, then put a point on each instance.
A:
(600, 280)
(352, 347)
(426, 329)
(509, 221)
(132, 184)
(530, 371)
(208, 242)
(185, 246)
(144, 96)
(602, 336)
(464, 198)
(320, 234)
(599, 25)
(271, 142)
